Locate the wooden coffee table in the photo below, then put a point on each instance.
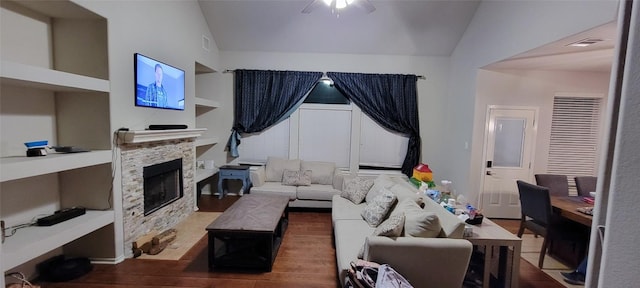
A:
(248, 234)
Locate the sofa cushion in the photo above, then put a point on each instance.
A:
(452, 227)
(275, 167)
(422, 224)
(275, 188)
(376, 211)
(322, 171)
(418, 222)
(343, 209)
(317, 192)
(379, 183)
(356, 189)
(405, 190)
(296, 178)
(349, 237)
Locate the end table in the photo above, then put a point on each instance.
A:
(233, 172)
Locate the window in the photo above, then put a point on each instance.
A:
(575, 129)
(325, 133)
(274, 141)
(322, 130)
(379, 147)
(325, 93)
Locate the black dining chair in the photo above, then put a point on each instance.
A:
(557, 184)
(537, 216)
(585, 184)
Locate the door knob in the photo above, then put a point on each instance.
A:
(489, 173)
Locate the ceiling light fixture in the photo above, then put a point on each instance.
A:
(338, 4)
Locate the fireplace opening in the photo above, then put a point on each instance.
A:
(162, 185)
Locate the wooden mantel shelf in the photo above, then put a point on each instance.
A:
(141, 136)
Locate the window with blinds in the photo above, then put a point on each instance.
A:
(573, 147)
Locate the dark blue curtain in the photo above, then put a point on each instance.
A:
(265, 97)
(390, 100)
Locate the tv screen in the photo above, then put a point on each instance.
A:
(158, 85)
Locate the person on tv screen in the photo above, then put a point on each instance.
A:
(156, 95)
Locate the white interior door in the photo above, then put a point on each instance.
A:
(510, 136)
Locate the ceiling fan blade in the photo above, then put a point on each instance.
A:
(366, 5)
(311, 6)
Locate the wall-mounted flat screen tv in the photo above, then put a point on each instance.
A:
(158, 85)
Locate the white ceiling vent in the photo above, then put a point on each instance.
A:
(586, 42)
(206, 43)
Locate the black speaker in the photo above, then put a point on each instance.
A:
(167, 127)
(60, 269)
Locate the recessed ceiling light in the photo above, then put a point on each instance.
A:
(585, 42)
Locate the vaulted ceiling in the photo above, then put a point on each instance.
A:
(396, 27)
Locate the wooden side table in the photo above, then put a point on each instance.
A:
(233, 172)
(500, 247)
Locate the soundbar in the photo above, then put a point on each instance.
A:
(60, 216)
(167, 127)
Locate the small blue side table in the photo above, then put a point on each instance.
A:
(233, 172)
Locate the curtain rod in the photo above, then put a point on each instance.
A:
(231, 71)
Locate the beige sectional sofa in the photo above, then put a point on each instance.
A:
(440, 261)
(325, 182)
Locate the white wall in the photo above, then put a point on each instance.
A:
(431, 91)
(528, 88)
(168, 31)
(499, 30)
(619, 191)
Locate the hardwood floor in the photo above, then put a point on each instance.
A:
(305, 259)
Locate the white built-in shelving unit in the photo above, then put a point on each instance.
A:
(54, 78)
(202, 174)
(205, 105)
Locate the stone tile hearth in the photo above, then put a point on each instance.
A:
(135, 156)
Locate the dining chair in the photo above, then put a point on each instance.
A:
(585, 184)
(557, 184)
(537, 216)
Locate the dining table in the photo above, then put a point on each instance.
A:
(567, 207)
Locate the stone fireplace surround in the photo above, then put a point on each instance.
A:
(135, 155)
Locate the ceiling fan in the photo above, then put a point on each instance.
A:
(336, 5)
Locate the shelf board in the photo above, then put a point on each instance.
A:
(60, 9)
(206, 141)
(140, 136)
(202, 174)
(32, 76)
(19, 167)
(34, 241)
(206, 103)
(202, 69)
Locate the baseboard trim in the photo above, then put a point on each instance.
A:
(109, 261)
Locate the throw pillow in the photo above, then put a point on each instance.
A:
(356, 189)
(392, 227)
(296, 178)
(304, 178)
(376, 211)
